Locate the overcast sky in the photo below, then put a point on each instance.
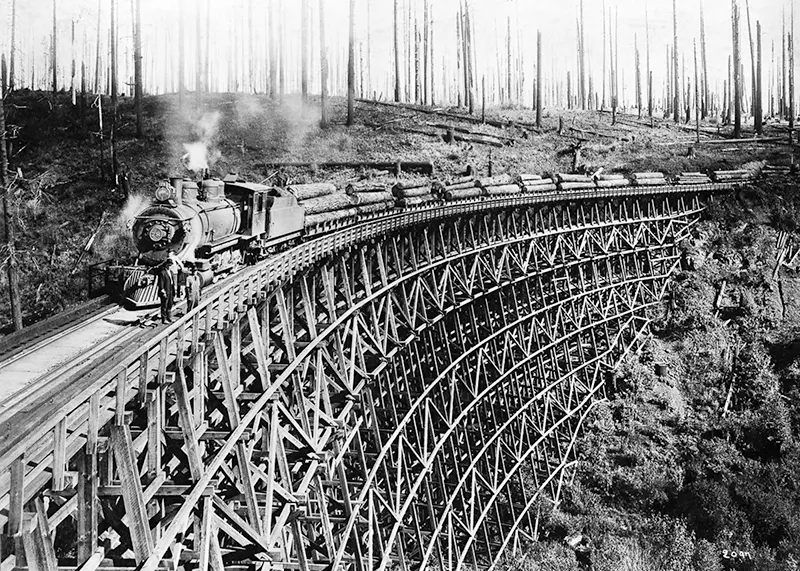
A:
(556, 20)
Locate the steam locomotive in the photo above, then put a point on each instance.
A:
(213, 227)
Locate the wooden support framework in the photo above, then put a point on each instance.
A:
(408, 396)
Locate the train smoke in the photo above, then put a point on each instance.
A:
(115, 240)
(201, 153)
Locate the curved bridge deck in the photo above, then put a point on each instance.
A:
(404, 390)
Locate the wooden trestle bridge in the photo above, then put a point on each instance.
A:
(405, 391)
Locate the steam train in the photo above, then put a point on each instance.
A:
(213, 227)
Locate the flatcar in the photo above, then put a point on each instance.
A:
(213, 227)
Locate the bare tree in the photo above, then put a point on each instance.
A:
(351, 65)
(323, 60)
(11, 55)
(97, 72)
(396, 51)
(758, 119)
(137, 64)
(181, 52)
(53, 50)
(704, 59)
(539, 78)
(582, 52)
(649, 72)
(199, 67)
(273, 66)
(677, 90)
(737, 88)
(425, 56)
(304, 41)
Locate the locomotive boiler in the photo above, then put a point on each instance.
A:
(214, 227)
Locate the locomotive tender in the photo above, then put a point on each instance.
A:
(213, 227)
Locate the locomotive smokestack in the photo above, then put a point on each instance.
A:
(177, 184)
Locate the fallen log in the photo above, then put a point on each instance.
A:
(313, 190)
(327, 203)
(479, 139)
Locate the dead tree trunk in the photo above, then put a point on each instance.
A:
(426, 54)
(323, 61)
(97, 72)
(638, 78)
(582, 46)
(273, 67)
(649, 73)
(11, 55)
(199, 67)
(737, 88)
(53, 50)
(539, 78)
(137, 65)
(304, 40)
(791, 85)
(351, 65)
(10, 238)
(706, 89)
(752, 62)
(396, 50)
(181, 52)
(677, 102)
(696, 95)
(114, 95)
(207, 58)
(758, 119)
(604, 56)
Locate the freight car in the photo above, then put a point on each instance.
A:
(214, 227)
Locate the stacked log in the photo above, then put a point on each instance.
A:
(649, 179)
(611, 180)
(312, 190)
(500, 185)
(538, 185)
(574, 181)
(413, 192)
(460, 188)
(370, 197)
(323, 202)
(327, 203)
(317, 219)
(692, 178)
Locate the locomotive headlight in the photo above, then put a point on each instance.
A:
(163, 192)
(156, 233)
